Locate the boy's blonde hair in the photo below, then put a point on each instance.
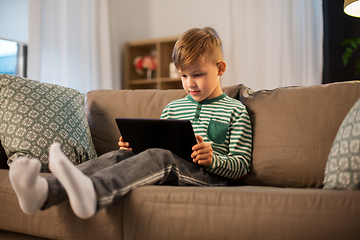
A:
(195, 43)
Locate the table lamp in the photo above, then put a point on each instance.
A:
(352, 7)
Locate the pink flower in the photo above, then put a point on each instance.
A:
(138, 62)
(149, 62)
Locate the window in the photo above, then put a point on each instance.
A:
(13, 57)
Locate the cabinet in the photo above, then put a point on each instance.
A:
(160, 78)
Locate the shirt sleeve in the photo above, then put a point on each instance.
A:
(237, 162)
(164, 114)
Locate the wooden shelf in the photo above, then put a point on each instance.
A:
(162, 49)
(142, 81)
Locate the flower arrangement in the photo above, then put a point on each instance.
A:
(148, 63)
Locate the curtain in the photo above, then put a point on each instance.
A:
(74, 44)
(275, 43)
(267, 43)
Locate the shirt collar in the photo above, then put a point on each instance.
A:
(208, 101)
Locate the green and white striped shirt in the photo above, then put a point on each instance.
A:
(225, 124)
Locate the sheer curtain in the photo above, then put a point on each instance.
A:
(267, 43)
(275, 43)
(73, 44)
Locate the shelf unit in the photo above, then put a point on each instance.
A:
(160, 79)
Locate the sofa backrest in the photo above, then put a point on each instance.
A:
(103, 106)
(293, 131)
(293, 127)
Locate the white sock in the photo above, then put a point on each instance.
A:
(79, 188)
(31, 189)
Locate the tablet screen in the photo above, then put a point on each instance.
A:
(171, 134)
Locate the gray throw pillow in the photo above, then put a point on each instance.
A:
(33, 115)
(343, 166)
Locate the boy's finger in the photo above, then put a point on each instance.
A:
(200, 151)
(201, 146)
(204, 162)
(199, 139)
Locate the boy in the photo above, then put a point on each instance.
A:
(223, 151)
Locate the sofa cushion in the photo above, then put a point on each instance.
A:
(57, 222)
(247, 212)
(103, 106)
(293, 131)
(343, 165)
(33, 115)
(168, 212)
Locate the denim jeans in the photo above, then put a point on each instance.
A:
(116, 173)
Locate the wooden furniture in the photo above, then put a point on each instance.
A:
(160, 79)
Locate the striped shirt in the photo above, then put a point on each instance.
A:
(225, 124)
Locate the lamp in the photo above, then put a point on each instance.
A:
(352, 7)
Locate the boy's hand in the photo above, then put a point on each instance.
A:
(124, 145)
(202, 152)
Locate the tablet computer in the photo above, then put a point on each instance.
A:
(171, 134)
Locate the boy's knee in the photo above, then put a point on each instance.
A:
(161, 155)
(158, 152)
(116, 155)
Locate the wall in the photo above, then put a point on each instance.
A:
(14, 20)
(129, 22)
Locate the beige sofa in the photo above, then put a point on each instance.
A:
(281, 198)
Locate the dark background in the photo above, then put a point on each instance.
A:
(337, 27)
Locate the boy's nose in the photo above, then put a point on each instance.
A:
(191, 83)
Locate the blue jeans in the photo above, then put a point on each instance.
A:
(116, 173)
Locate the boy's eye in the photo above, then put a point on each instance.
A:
(198, 75)
(183, 76)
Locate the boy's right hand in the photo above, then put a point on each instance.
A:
(124, 145)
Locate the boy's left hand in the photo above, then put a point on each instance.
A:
(202, 152)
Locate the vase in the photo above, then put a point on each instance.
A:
(148, 73)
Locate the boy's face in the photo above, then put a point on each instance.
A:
(201, 79)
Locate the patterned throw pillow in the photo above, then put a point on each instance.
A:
(343, 166)
(33, 115)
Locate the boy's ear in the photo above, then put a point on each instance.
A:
(221, 68)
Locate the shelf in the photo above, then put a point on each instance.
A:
(142, 81)
(162, 49)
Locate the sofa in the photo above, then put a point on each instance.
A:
(282, 197)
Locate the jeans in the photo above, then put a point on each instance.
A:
(116, 173)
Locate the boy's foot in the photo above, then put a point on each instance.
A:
(30, 188)
(79, 187)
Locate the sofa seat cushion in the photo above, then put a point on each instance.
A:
(293, 131)
(167, 212)
(248, 212)
(343, 166)
(33, 115)
(58, 222)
